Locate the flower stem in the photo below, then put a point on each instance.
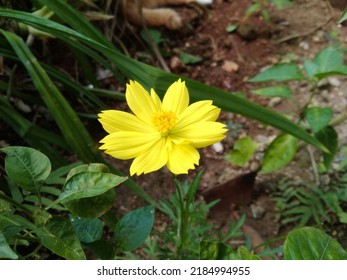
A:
(182, 219)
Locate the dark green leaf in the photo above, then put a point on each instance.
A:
(91, 207)
(312, 244)
(87, 168)
(275, 91)
(318, 117)
(27, 167)
(5, 250)
(87, 230)
(280, 73)
(60, 237)
(102, 248)
(242, 151)
(280, 152)
(329, 138)
(133, 229)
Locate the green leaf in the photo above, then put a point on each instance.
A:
(102, 248)
(5, 250)
(231, 28)
(155, 35)
(27, 167)
(318, 117)
(187, 58)
(280, 152)
(87, 168)
(87, 230)
(329, 138)
(91, 184)
(279, 73)
(309, 243)
(245, 254)
(216, 251)
(275, 91)
(91, 207)
(327, 62)
(242, 152)
(60, 237)
(132, 229)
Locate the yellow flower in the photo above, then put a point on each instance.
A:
(161, 132)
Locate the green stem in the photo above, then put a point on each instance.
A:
(182, 219)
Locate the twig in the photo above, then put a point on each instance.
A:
(314, 165)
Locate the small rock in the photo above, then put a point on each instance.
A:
(274, 102)
(323, 83)
(175, 62)
(334, 81)
(304, 45)
(257, 211)
(230, 66)
(218, 147)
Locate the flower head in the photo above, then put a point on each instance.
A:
(159, 132)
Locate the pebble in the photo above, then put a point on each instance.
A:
(334, 81)
(218, 147)
(274, 102)
(304, 45)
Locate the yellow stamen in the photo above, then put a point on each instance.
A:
(164, 121)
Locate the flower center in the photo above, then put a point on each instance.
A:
(164, 121)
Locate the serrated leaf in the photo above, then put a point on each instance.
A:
(328, 136)
(280, 73)
(132, 229)
(60, 237)
(275, 91)
(309, 243)
(318, 117)
(27, 167)
(88, 230)
(83, 185)
(242, 152)
(280, 152)
(5, 250)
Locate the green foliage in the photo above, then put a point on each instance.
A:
(242, 152)
(312, 244)
(280, 152)
(87, 193)
(302, 204)
(318, 118)
(275, 91)
(279, 73)
(187, 58)
(132, 229)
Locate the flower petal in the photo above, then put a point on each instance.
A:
(200, 134)
(128, 144)
(140, 102)
(197, 112)
(182, 158)
(114, 120)
(152, 160)
(156, 100)
(176, 99)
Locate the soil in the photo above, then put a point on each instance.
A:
(229, 59)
